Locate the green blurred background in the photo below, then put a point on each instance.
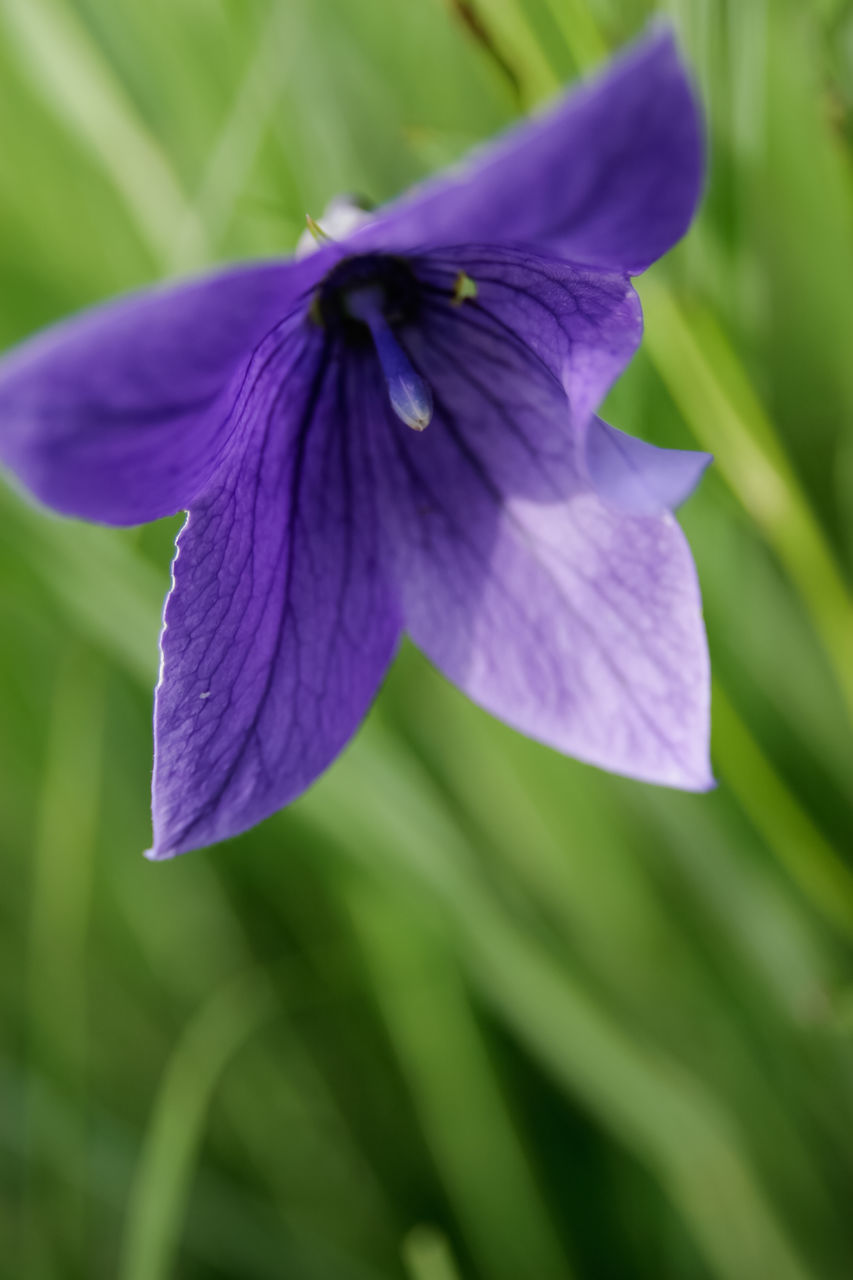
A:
(468, 1010)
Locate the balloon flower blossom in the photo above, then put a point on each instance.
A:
(396, 433)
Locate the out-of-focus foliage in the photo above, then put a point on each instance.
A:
(468, 1009)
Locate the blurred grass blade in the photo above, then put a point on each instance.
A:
(427, 1256)
(789, 831)
(578, 28)
(713, 392)
(67, 70)
(163, 1178)
(235, 151)
(464, 1116)
(664, 1114)
(511, 29)
(103, 586)
(59, 923)
(468, 14)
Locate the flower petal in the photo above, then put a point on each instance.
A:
(530, 353)
(576, 622)
(609, 176)
(119, 415)
(279, 626)
(578, 626)
(640, 477)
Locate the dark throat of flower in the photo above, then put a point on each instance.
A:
(364, 293)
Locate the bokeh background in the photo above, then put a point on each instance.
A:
(468, 1010)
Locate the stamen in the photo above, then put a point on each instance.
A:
(463, 289)
(338, 220)
(410, 396)
(318, 233)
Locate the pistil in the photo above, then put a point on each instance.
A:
(410, 396)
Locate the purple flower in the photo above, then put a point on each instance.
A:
(398, 432)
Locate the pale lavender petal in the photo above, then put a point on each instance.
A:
(279, 626)
(639, 477)
(119, 415)
(575, 622)
(610, 175)
(582, 628)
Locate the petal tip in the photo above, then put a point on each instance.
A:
(637, 477)
(697, 463)
(660, 38)
(159, 855)
(694, 777)
(704, 783)
(660, 30)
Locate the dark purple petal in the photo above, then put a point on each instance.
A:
(575, 622)
(610, 175)
(279, 626)
(537, 333)
(639, 477)
(120, 414)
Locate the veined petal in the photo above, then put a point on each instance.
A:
(119, 415)
(576, 622)
(609, 176)
(637, 476)
(279, 626)
(530, 353)
(586, 632)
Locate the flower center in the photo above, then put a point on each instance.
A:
(371, 298)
